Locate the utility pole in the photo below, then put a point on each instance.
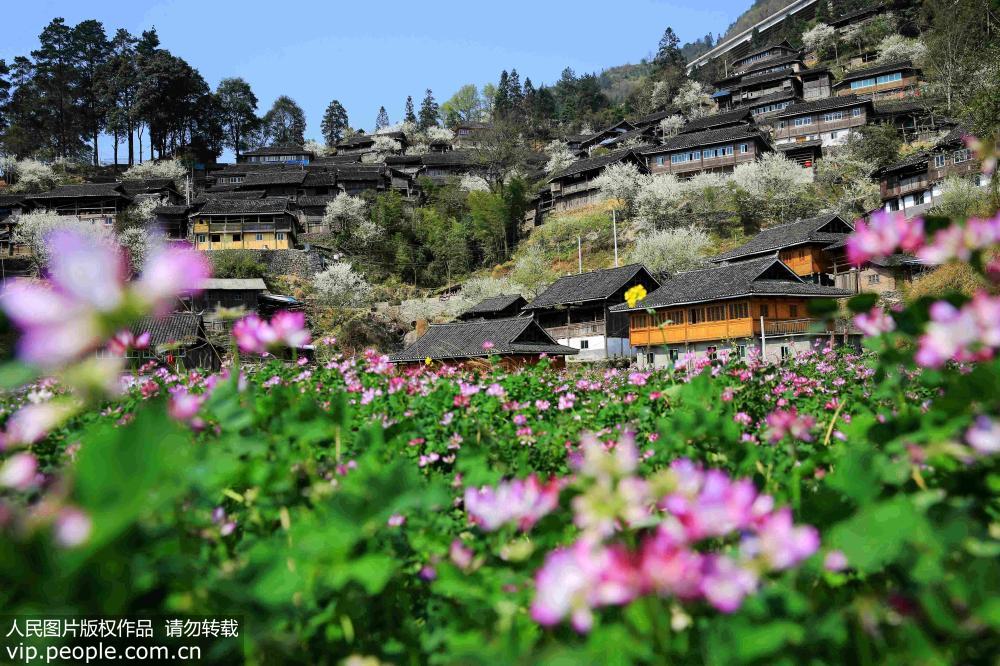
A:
(763, 342)
(614, 232)
(579, 254)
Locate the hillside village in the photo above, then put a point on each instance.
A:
(702, 217)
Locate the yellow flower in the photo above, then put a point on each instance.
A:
(427, 361)
(634, 295)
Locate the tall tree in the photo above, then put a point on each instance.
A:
(238, 112)
(502, 98)
(57, 81)
(27, 115)
(382, 119)
(285, 122)
(92, 53)
(169, 98)
(463, 106)
(669, 52)
(334, 123)
(428, 111)
(5, 87)
(515, 92)
(121, 83)
(408, 115)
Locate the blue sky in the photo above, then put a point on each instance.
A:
(372, 54)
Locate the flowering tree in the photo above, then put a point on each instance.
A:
(36, 228)
(621, 182)
(694, 101)
(671, 250)
(961, 197)
(772, 189)
(560, 156)
(820, 38)
(660, 95)
(345, 213)
(340, 285)
(659, 199)
(532, 270)
(671, 125)
(383, 146)
(30, 175)
(844, 184)
(172, 169)
(897, 47)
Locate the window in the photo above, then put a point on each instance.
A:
(805, 120)
(889, 78)
(918, 199)
(961, 156)
(763, 310)
(201, 238)
(863, 83)
(833, 135)
(856, 113)
(216, 238)
(712, 352)
(259, 237)
(659, 160)
(279, 236)
(833, 115)
(696, 315)
(781, 124)
(741, 351)
(793, 311)
(716, 312)
(874, 278)
(739, 310)
(785, 352)
(744, 149)
(940, 161)
(892, 206)
(584, 344)
(673, 354)
(237, 238)
(650, 358)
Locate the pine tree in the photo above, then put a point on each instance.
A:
(822, 12)
(285, 123)
(334, 123)
(428, 111)
(238, 106)
(408, 115)
(502, 102)
(382, 119)
(669, 51)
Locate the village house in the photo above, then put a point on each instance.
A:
(800, 245)
(172, 220)
(758, 304)
(470, 133)
(496, 307)
(176, 339)
(516, 341)
(97, 203)
(734, 118)
(365, 144)
(282, 154)
(754, 58)
(12, 206)
(355, 179)
(275, 183)
(245, 224)
(715, 150)
(319, 182)
(887, 81)
(312, 210)
(817, 83)
(227, 294)
(576, 310)
(441, 166)
(575, 186)
(162, 190)
(830, 121)
(913, 184)
(606, 136)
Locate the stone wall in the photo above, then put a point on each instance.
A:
(300, 263)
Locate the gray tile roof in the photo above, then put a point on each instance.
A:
(239, 284)
(271, 205)
(147, 185)
(760, 277)
(807, 230)
(652, 118)
(360, 172)
(320, 179)
(179, 209)
(103, 190)
(285, 149)
(265, 178)
(461, 340)
(717, 120)
(494, 304)
(900, 65)
(591, 286)
(837, 102)
(177, 327)
(591, 163)
(707, 138)
(314, 201)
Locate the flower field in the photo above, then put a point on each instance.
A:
(841, 507)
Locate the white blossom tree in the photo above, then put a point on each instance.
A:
(473, 183)
(773, 189)
(30, 175)
(671, 250)
(820, 38)
(172, 169)
(532, 270)
(694, 101)
(341, 286)
(659, 96)
(658, 201)
(345, 212)
(34, 230)
(560, 156)
(961, 197)
(671, 125)
(897, 47)
(622, 182)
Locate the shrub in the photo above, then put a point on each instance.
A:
(237, 264)
(671, 250)
(339, 285)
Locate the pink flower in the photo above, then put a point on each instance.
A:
(488, 345)
(886, 234)
(984, 436)
(19, 471)
(460, 556)
(290, 328)
(521, 501)
(286, 329)
(782, 544)
(171, 272)
(726, 583)
(396, 520)
(970, 333)
(782, 423)
(835, 560)
(566, 401)
(72, 527)
(638, 378)
(32, 423)
(875, 322)
(184, 406)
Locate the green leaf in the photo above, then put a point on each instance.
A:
(862, 302)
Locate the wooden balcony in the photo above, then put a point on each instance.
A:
(908, 188)
(577, 330)
(732, 329)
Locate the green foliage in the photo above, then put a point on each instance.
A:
(237, 264)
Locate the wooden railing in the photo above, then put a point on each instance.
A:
(578, 330)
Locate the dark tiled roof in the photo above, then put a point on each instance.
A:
(320, 179)
(248, 206)
(313, 201)
(876, 70)
(916, 159)
(807, 230)
(717, 120)
(783, 43)
(335, 159)
(360, 172)
(707, 138)
(148, 185)
(82, 190)
(592, 163)
(356, 140)
(244, 194)
(637, 133)
(450, 158)
(265, 178)
(813, 71)
(652, 118)
(285, 149)
(591, 286)
(494, 304)
(798, 145)
(781, 59)
(779, 96)
(761, 277)
(9, 200)
(756, 79)
(178, 327)
(812, 106)
(856, 14)
(460, 340)
(171, 210)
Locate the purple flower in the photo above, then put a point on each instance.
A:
(726, 583)
(256, 336)
(835, 560)
(396, 520)
(72, 527)
(19, 471)
(984, 436)
(875, 322)
(171, 272)
(184, 406)
(884, 235)
(521, 501)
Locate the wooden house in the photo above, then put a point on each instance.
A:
(470, 133)
(769, 53)
(892, 80)
(278, 154)
(312, 210)
(714, 150)
(653, 119)
(245, 224)
(913, 184)
(496, 307)
(576, 310)
(817, 83)
(441, 166)
(760, 303)
(172, 220)
(275, 182)
(516, 341)
(831, 120)
(178, 339)
(98, 203)
(355, 179)
(319, 182)
(735, 118)
(575, 186)
(606, 137)
(163, 190)
(800, 245)
(12, 206)
(228, 293)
